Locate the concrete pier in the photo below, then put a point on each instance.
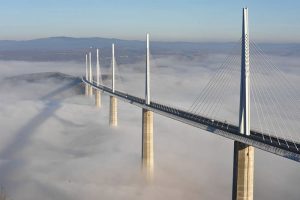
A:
(147, 134)
(90, 91)
(86, 90)
(243, 171)
(98, 74)
(113, 112)
(147, 143)
(98, 99)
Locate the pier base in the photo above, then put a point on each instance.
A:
(90, 91)
(243, 172)
(86, 90)
(147, 143)
(113, 116)
(98, 99)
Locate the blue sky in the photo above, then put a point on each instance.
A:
(166, 20)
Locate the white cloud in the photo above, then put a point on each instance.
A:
(62, 147)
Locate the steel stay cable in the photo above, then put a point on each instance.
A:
(280, 106)
(214, 93)
(225, 85)
(272, 97)
(216, 74)
(218, 106)
(259, 96)
(280, 73)
(211, 90)
(262, 95)
(209, 85)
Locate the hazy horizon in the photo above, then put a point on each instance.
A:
(193, 21)
(139, 39)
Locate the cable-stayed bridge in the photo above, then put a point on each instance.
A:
(272, 135)
(280, 146)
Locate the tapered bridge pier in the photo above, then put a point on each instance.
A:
(147, 115)
(113, 112)
(98, 92)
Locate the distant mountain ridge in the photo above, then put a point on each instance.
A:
(70, 48)
(62, 43)
(71, 43)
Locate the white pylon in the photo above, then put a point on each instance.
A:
(113, 68)
(98, 68)
(244, 115)
(147, 123)
(90, 62)
(86, 75)
(86, 67)
(147, 89)
(98, 74)
(91, 75)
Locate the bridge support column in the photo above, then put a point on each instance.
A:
(90, 91)
(113, 113)
(86, 90)
(98, 74)
(243, 172)
(147, 143)
(98, 99)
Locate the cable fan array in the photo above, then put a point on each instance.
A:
(218, 99)
(275, 108)
(274, 100)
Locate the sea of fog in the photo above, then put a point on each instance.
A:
(55, 144)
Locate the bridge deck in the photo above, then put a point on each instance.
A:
(278, 146)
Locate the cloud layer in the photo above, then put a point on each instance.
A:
(61, 147)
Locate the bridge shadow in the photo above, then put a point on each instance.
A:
(9, 160)
(23, 135)
(61, 89)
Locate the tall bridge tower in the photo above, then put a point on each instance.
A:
(90, 74)
(86, 75)
(113, 118)
(243, 166)
(98, 73)
(147, 132)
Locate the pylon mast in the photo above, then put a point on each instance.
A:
(90, 62)
(244, 115)
(147, 89)
(86, 67)
(113, 67)
(98, 68)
